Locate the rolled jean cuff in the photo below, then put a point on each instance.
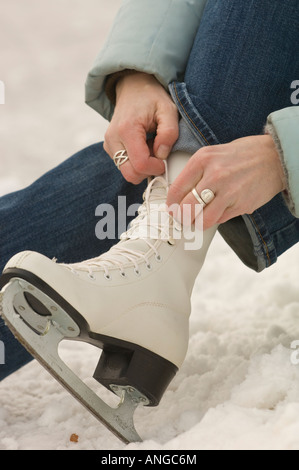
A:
(258, 239)
(192, 117)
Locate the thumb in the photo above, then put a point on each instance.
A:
(167, 133)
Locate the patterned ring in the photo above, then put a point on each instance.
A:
(120, 158)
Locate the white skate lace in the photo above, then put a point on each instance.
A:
(152, 223)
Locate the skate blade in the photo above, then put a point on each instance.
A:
(41, 335)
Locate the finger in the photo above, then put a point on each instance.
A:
(212, 212)
(127, 169)
(167, 131)
(139, 153)
(186, 181)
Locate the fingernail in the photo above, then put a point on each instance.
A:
(163, 152)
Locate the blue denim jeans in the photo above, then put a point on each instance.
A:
(240, 69)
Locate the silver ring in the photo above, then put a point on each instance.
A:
(197, 197)
(120, 158)
(207, 196)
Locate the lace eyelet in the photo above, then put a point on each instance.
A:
(137, 272)
(123, 274)
(149, 267)
(158, 258)
(92, 277)
(171, 242)
(107, 277)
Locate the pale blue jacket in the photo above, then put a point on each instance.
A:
(156, 37)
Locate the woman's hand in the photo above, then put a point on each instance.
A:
(142, 106)
(244, 175)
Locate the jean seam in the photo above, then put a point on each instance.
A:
(262, 239)
(189, 117)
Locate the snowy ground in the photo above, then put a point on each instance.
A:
(238, 388)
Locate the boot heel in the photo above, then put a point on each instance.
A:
(139, 368)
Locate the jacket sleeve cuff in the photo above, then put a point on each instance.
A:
(270, 130)
(283, 126)
(148, 36)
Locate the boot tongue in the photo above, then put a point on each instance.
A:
(152, 215)
(146, 228)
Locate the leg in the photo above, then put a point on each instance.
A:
(240, 70)
(243, 63)
(56, 217)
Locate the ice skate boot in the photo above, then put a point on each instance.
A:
(133, 302)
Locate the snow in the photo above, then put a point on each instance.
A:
(239, 385)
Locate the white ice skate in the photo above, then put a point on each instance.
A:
(132, 302)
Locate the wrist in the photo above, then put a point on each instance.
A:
(279, 160)
(135, 83)
(113, 80)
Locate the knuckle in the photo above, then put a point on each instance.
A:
(219, 174)
(134, 180)
(204, 156)
(129, 176)
(122, 128)
(205, 152)
(173, 110)
(172, 133)
(140, 166)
